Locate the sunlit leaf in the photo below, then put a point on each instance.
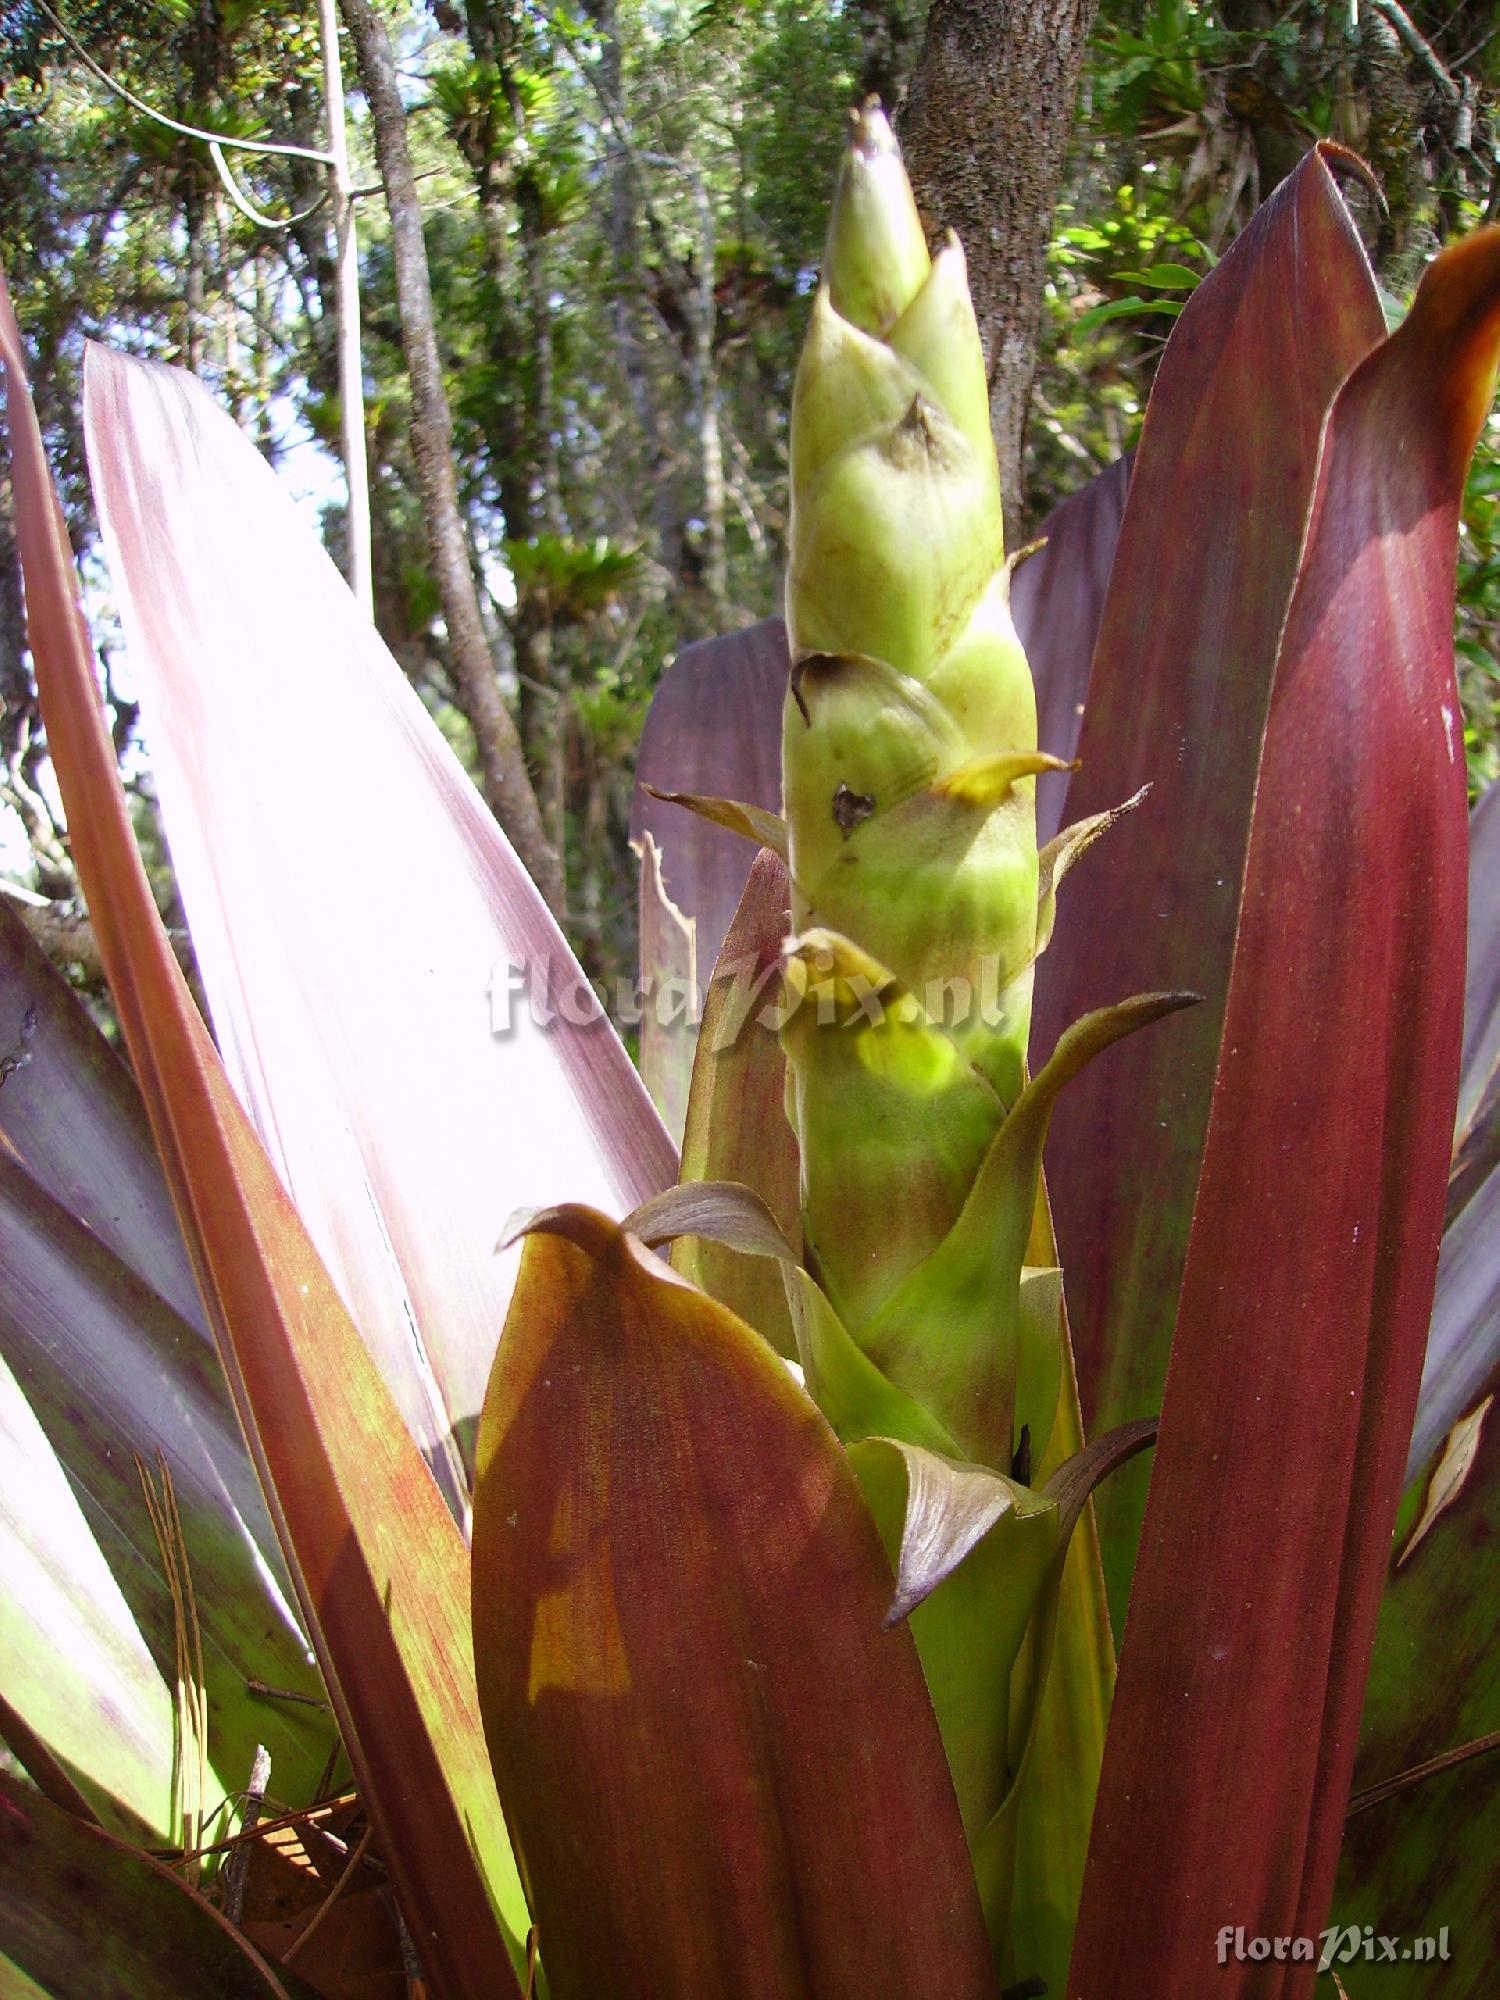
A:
(377, 960)
(110, 1372)
(376, 1556)
(723, 1774)
(669, 998)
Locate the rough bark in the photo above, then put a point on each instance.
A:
(503, 775)
(985, 128)
(519, 427)
(888, 32)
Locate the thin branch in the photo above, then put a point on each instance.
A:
(215, 141)
(238, 1868)
(1419, 46)
(330, 1899)
(247, 208)
(174, 124)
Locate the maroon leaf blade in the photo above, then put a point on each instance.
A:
(1308, 1282)
(1057, 599)
(714, 727)
(85, 1916)
(1181, 682)
(723, 1777)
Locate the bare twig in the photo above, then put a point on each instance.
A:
(237, 1869)
(330, 1899)
(1419, 46)
(176, 124)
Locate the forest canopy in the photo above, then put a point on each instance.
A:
(622, 207)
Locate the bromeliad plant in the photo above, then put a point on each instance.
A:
(749, 1686)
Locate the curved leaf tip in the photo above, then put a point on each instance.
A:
(722, 1775)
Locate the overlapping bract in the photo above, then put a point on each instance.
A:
(909, 749)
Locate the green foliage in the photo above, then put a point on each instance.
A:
(1479, 612)
(804, 66)
(1191, 113)
(573, 578)
(576, 188)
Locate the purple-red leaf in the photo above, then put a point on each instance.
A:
(1463, 1348)
(723, 1776)
(70, 1112)
(1177, 701)
(376, 958)
(1057, 598)
(737, 1127)
(1308, 1282)
(714, 727)
(84, 1917)
(1482, 995)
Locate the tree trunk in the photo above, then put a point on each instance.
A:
(504, 778)
(627, 286)
(887, 41)
(985, 130)
(703, 374)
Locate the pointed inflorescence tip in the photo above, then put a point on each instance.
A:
(872, 134)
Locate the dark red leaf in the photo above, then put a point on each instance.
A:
(71, 1113)
(85, 1917)
(1057, 598)
(1309, 1275)
(723, 1776)
(1178, 698)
